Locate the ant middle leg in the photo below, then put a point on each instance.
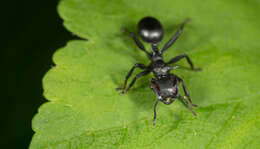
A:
(137, 42)
(137, 65)
(133, 81)
(177, 58)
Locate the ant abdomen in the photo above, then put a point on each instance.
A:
(150, 30)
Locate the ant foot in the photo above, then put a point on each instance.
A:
(194, 113)
(123, 92)
(123, 30)
(119, 88)
(195, 106)
(197, 69)
(187, 20)
(154, 122)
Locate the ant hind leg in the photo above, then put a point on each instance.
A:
(137, 42)
(175, 37)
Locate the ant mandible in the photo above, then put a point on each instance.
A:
(165, 85)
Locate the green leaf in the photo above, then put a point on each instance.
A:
(85, 110)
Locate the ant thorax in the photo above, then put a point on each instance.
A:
(160, 69)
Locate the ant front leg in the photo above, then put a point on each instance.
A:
(142, 66)
(137, 42)
(186, 92)
(188, 104)
(177, 58)
(133, 81)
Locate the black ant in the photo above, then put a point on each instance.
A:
(165, 85)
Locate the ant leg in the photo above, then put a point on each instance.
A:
(142, 66)
(137, 42)
(188, 104)
(177, 58)
(175, 37)
(154, 110)
(133, 81)
(186, 91)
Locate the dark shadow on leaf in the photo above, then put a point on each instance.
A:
(140, 93)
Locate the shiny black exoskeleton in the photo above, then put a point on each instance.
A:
(165, 85)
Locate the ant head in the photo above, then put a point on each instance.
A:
(150, 30)
(165, 88)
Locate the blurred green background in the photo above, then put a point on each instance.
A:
(31, 31)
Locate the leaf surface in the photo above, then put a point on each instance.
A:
(85, 110)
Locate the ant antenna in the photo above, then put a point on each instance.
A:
(154, 110)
